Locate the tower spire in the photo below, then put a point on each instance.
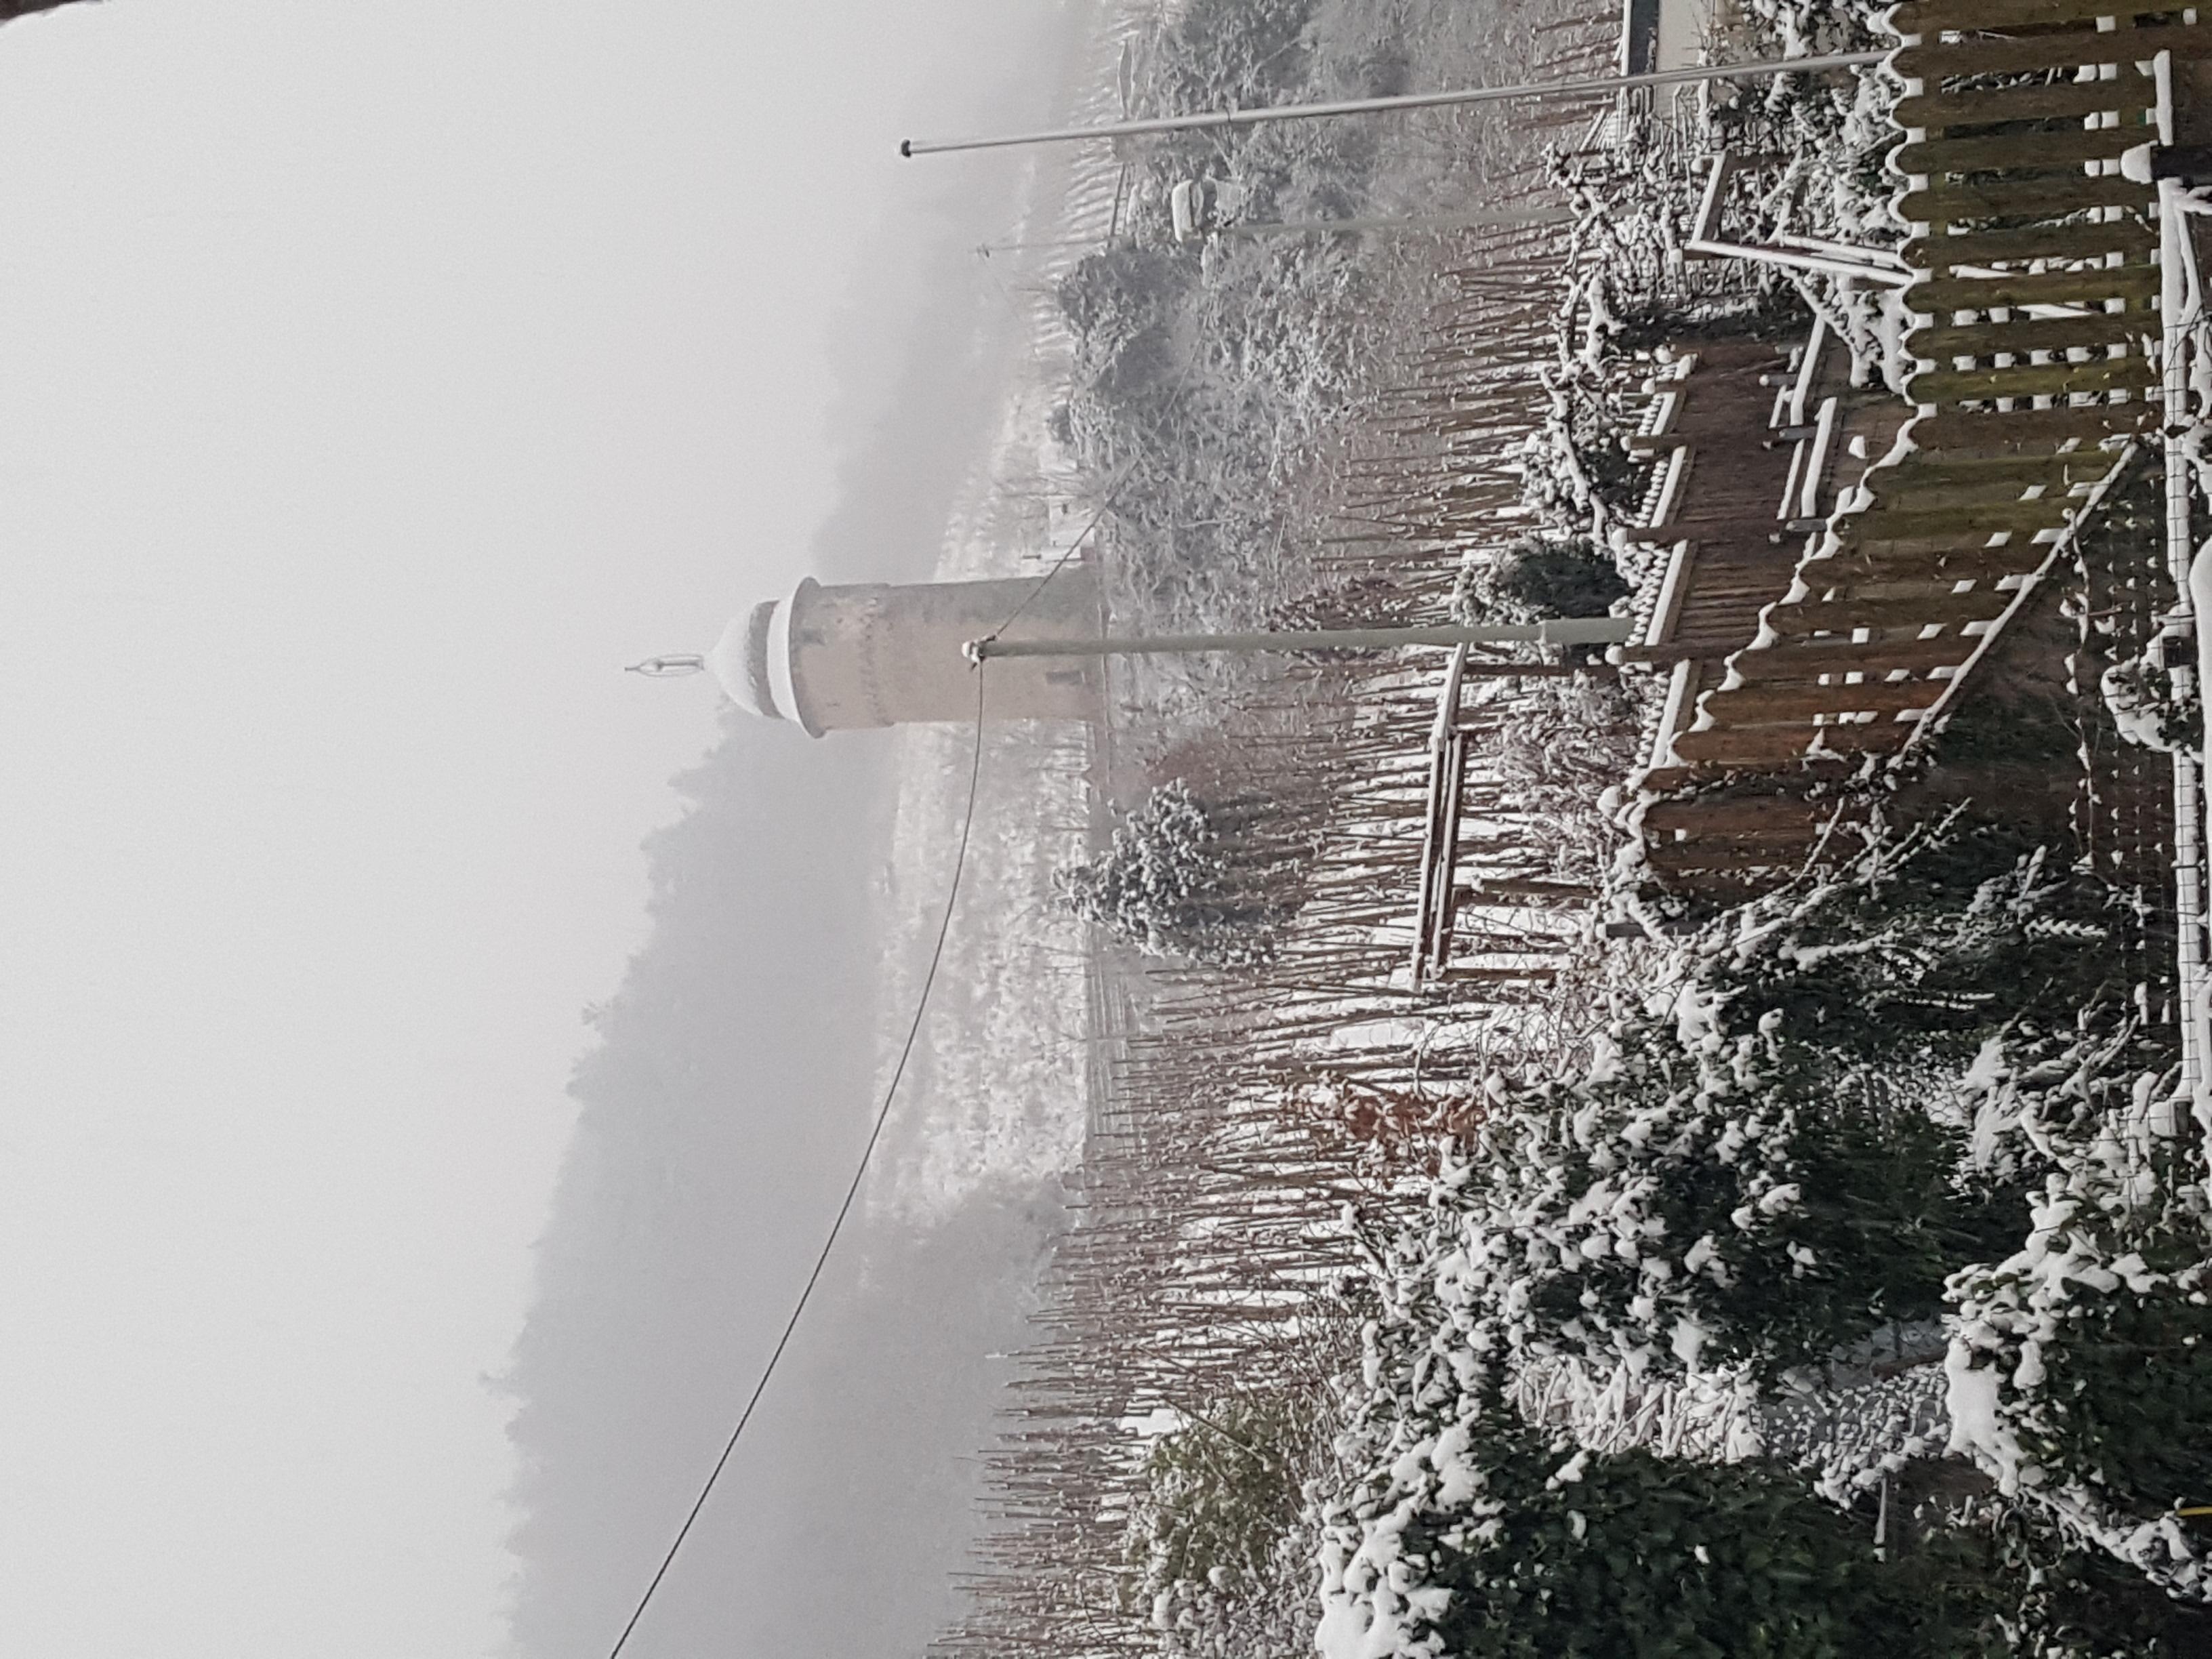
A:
(674, 667)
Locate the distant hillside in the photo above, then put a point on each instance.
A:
(720, 1113)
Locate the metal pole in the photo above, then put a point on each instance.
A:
(1534, 215)
(1247, 118)
(1566, 630)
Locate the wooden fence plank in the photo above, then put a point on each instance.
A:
(1918, 486)
(1958, 385)
(1940, 60)
(1749, 747)
(1746, 746)
(2092, 286)
(1738, 814)
(2022, 335)
(1930, 112)
(2056, 193)
(1933, 157)
(2017, 557)
(1919, 520)
(1780, 665)
(1987, 432)
(1833, 615)
(1925, 16)
(1785, 703)
(2128, 233)
(1956, 469)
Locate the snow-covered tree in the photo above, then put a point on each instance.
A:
(1691, 1207)
(1215, 1541)
(1509, 1546)
(1174, 883)
(2079, 1367)
(1536, 578)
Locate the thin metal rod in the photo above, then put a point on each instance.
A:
(1248, 118)
(1567, 630)
(1503, 216)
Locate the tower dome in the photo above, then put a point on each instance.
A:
(740, 660)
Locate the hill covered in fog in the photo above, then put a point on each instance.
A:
(720, 1111)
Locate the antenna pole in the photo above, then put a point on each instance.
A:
(1248, 118)
(1566, 630)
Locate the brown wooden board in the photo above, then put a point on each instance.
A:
(2130, 234)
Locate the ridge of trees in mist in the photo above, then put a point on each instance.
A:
(719, 1115)
(11, 9)
(729, 1087)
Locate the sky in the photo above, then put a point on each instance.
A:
(375, 380)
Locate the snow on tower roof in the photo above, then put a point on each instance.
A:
(740, 661)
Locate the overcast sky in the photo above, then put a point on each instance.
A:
(375, 379)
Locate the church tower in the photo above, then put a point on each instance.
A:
(834, 658)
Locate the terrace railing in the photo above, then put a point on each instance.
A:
(2036, 340)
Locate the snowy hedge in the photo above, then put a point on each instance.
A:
(1537, 578)
(2079, 1367)
(1900, 1090)
(1730, 1203)
(1775, 1157)
(1490, 1543)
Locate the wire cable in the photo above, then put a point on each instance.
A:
(890, 1091)
(1105, 505)
(1060, 564)
(852, 1191)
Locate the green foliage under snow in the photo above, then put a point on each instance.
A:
(1767, 1162)
(1536, 578)
(1882, 1093)
(1216, 1542)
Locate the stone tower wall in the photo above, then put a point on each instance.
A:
(876, 654)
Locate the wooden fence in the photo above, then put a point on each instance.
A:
(2035, 339)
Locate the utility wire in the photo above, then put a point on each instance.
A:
(852, 1191)
(1113, 493)
(890, 1091)
(1059, 565)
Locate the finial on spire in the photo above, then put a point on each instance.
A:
(670, 668)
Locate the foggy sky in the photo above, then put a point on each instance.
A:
(374, 380)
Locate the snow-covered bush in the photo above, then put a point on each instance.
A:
(1912, 953)
(2153, 707)
(1508, 1547)
(2058, 1601)
(1219, 1492)
(1537, 578)
(1776, 1155)
(2079, 1367)
(1215, 1540)
(1744, 1204)
(1834, 130)
(1830, 1117)
(1474, 1533)
(1203, 378)
(1172, 884)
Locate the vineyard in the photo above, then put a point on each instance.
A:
(1700, 1153)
